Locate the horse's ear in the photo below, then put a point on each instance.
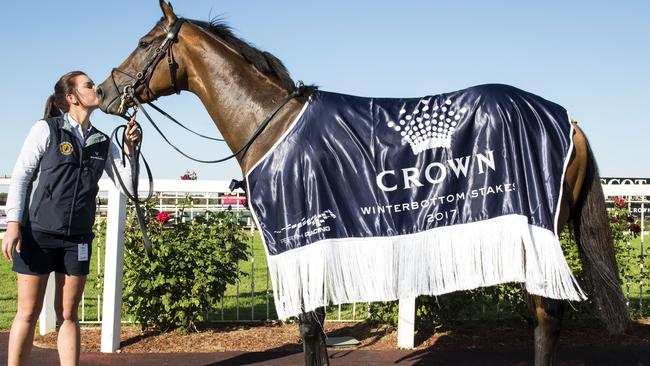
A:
(168, 11)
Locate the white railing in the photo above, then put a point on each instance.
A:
(406, 306)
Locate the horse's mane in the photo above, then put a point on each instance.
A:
(265, 62)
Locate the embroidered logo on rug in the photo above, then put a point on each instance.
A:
(428, 127)
(66, 148)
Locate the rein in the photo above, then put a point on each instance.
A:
(298, 91)
(134, 160)
(142, 78)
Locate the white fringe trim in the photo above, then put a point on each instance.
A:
(434, 262)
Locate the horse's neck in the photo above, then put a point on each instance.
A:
(237, 97)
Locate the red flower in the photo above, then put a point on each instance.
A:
(185, 177)
(635, 229)
(619, 202)
(615, 219)
(631, 219)
(162, 217)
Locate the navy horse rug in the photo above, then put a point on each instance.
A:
(376, 199)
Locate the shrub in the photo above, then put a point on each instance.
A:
(193, 262)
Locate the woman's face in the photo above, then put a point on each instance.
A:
(85, 92)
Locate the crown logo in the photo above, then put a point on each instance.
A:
(428, 126)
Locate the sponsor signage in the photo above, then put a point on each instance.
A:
(635, 207)
(610, 180)
(233, 200)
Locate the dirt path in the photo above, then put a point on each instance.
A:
(471, 343)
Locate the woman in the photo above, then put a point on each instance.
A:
(54, 233)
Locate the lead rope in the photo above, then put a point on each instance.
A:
(134, 160)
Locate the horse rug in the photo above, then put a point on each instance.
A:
(376, 199)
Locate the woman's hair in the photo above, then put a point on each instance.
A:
(57, 104)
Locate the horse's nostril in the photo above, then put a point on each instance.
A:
(100, 93)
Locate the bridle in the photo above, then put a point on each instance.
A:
(142, 79)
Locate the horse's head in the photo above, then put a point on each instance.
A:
(150, 71)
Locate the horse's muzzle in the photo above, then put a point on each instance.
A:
(109, 101)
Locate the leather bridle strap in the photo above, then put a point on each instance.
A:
(172, 69)
(165, 47)
(135, 172)
(143, 77)
(161, 111)
(146, 74)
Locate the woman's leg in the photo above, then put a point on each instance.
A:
(31, 290)
(69, 290)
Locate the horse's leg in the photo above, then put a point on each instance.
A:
(313, 337)
(548, 320)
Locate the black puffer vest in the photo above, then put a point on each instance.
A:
(64, 199)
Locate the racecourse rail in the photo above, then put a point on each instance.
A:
(215, 195)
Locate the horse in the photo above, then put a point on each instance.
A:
(252, 100)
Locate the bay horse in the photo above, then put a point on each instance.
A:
(252, 100)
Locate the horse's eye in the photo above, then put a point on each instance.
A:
(143, 44)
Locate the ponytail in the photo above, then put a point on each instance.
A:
(51, 110)
(57, 104)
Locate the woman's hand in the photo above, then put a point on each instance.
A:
(131, 136)
(11, 239)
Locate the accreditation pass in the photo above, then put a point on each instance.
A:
(82, 252)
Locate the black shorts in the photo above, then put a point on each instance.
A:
(42, 253)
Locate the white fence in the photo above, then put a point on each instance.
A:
(215, 195)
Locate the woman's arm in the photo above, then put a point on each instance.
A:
(22, 177)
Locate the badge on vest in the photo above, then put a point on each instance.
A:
(66, 148)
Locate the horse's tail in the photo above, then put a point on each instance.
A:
(596, 247)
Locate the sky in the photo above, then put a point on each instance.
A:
(592, 57)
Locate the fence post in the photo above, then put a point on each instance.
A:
(47, 319)
(113, 270)
(406, 323)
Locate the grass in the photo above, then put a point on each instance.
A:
(239, 297)
(237, 301)
(638, 293)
